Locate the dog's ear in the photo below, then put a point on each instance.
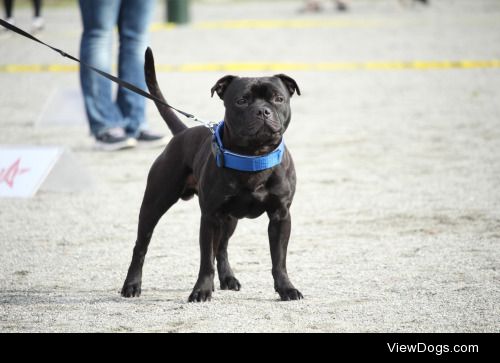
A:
(290, 84)
(221, 85)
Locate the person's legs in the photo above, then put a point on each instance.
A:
(99, 18)
(341, 5)
(311, 6)
(37, 7)
(8, 8)
(38, 22)
(133, 24)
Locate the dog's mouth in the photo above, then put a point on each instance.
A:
(266, 129)
(260, 142)
(271, 135)
(259, 125)
(257, 137)
(266, 133)
(265, 137)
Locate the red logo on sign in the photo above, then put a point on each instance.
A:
(9, 175)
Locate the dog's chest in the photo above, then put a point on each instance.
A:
(247, 203)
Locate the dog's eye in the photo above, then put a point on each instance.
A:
(241, 102)
(279, 99)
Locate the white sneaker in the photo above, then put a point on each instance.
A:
(4, 32)
(114, 139)
(11, 21)
(37, 24)
(148, 139)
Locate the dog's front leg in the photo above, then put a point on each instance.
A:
(280, 225)
(210, 233)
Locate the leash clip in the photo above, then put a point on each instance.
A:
(212, 126)
(218, 153)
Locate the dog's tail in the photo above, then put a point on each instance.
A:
(173, 122)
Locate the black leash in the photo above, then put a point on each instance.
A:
(117, 80)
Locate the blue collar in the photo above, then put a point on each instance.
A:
(228, 159)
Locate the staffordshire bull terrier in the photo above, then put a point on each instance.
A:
(242, 171)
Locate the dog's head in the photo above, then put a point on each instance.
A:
(257, 109)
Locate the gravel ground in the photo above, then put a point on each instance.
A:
(396, 220)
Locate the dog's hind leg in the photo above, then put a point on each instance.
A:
(162, 191)
(226, 275)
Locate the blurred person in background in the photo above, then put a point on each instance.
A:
(116, 123)
(411, 2)
(37, 23)
(315, 6)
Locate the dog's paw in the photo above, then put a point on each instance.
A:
(200, 295)
(230, 283)
(131, 290)
(290, 294)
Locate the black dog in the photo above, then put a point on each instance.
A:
(257, 115)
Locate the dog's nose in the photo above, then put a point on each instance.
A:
(264, 113)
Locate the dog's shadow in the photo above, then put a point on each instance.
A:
(61, 296)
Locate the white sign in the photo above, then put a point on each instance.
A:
(24, 170)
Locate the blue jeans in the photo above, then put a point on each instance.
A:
(99, 19)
